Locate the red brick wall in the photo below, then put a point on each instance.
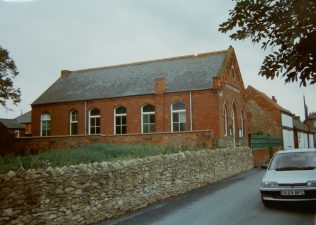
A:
(207, 113)
(60, 112)
(233, 92)
(204, 104)
(262, 156)
(190, 139)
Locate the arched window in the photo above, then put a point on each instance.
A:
(45, 124)
(241, 131)
(234, 123)
(73, 122)
(94, 121)
(178, 117)
(120, 120)
(225, 121)
(148, 119)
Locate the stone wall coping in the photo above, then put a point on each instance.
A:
(117, 135)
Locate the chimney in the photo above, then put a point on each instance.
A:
(65, 72)
(160, 86)
(274, 99)
(217, 83)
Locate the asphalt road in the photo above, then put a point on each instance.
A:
(234, 201)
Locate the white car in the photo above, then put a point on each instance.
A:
(290, 176)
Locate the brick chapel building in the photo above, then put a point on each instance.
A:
(182, 94)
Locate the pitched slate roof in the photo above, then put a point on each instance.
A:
(299, 125)
(24, 118)
(194, 72)
(11, 124)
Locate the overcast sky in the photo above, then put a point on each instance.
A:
(46, 36)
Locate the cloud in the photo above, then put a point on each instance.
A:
(18, 1)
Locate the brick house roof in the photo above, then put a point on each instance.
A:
(24, 118)
(194, 72)
(299, 125)
(11, 124)
(267, 98)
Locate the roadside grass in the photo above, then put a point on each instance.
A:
(97, 152)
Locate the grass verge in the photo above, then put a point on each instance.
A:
(85, 154)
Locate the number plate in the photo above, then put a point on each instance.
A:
(292, 192)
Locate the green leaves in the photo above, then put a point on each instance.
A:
(8, 72)
(286, 25)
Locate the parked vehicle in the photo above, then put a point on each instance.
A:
(290, 176)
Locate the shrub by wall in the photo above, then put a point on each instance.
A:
(89, 193)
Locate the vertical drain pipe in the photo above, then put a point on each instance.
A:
(191, 111)
(85, 117)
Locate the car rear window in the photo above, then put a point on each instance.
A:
(294, 161)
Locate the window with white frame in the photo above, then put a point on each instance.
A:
(241, 130)
(45, 124)
(225, 121)
(148, 118)
(178, 117)
(94, 121)
(73, 120)
(120, 120)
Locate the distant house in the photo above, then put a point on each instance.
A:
(9, 130)
(11, 127)
(183, 94)
(268, 117)
(303, 138)
(14, 128)
(311, 123)
(26, 120)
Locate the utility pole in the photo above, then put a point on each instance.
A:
(305, 108)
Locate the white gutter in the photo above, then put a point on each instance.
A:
(191, 126)
(85, 117)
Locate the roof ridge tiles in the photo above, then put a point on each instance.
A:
(200, 55)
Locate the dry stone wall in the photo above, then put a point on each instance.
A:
(87, 193)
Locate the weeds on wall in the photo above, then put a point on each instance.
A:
(98, 152)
